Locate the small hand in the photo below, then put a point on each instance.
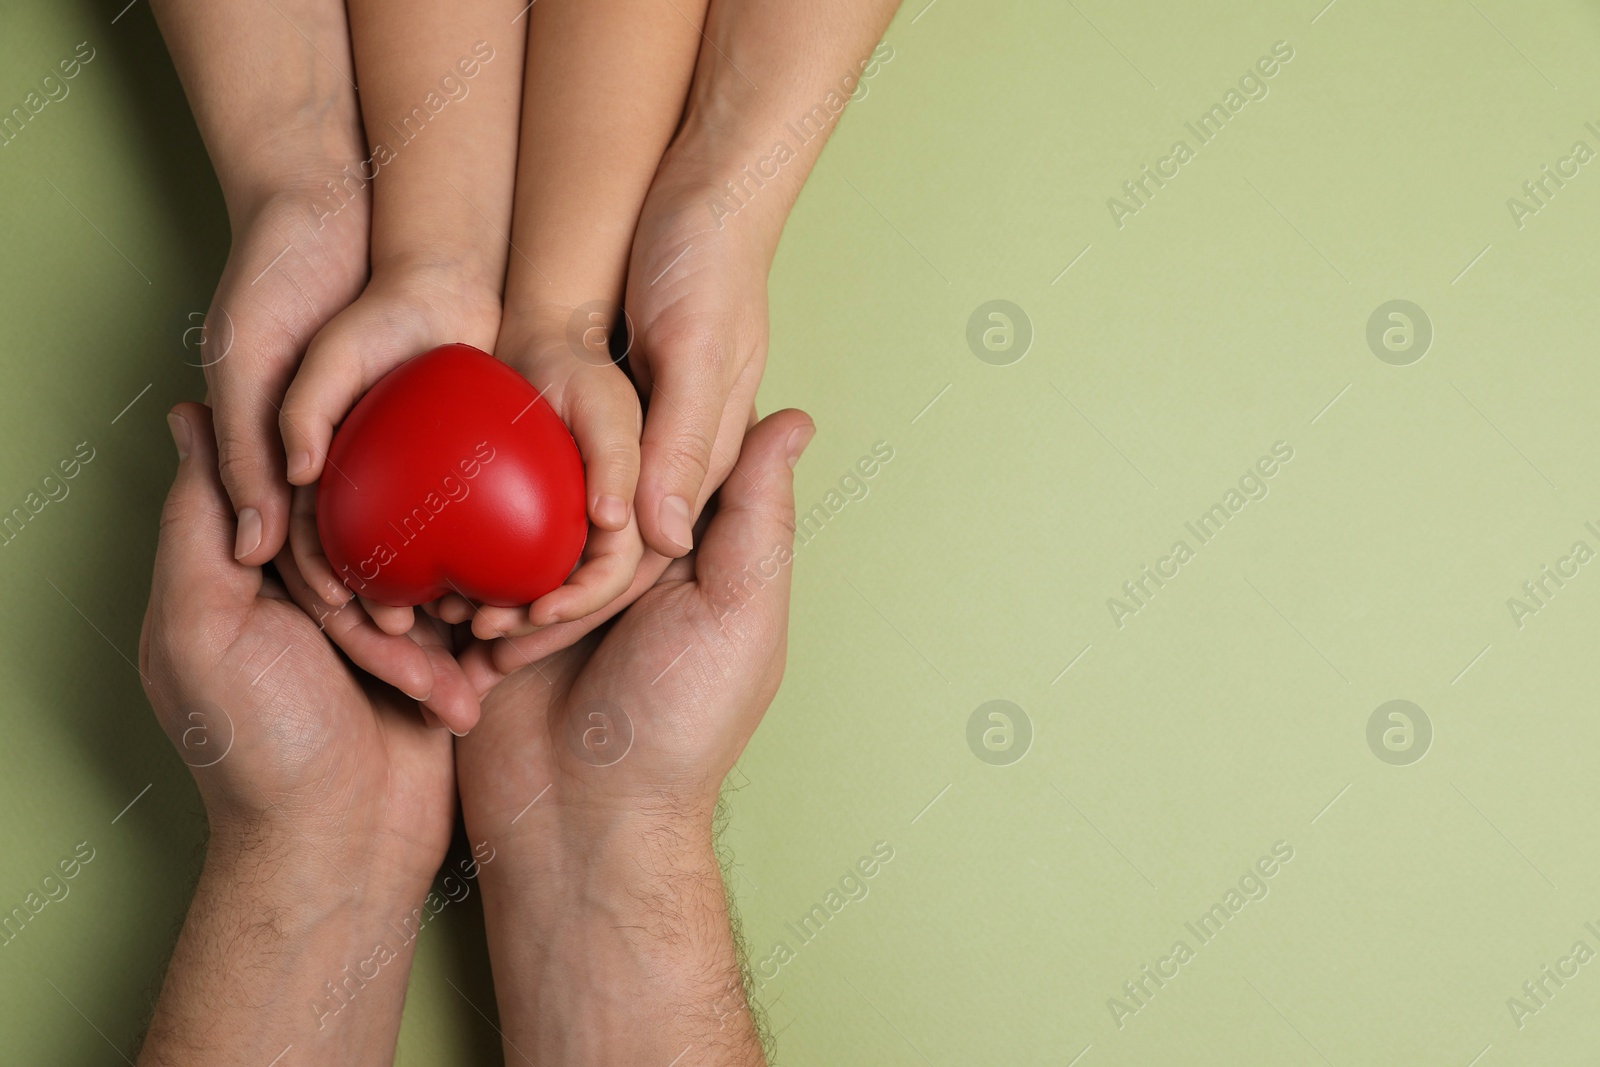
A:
(399, 316)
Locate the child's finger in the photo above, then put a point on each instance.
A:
(390, 619)
(453, 608)
(611, 558)
(602, 411)
(306, 544)
(365, 341)
(332, 377)
(399, 661)
(515, 652)
(489, 623)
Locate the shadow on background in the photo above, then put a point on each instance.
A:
(116, 236)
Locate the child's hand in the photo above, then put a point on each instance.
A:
(598, 404)
(402, 314)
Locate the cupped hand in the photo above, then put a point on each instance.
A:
(649, 717)
(573, 372)
(401, 314)
(697, 297)
(282, 735)
(298, 258)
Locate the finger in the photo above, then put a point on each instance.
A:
(744, 557)
(610, 560)
(306, 543)
(399, 661)
(687, 401)
(602, 411)
(516, 652)
(390, 619)
(195, 570)
(454, 700)
(251, 468)
(478, 664)
(489, 623)
(332, 377)
(453, 608)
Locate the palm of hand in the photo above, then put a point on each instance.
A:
(659, 706)
(271, 719)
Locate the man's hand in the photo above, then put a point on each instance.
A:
(329, 801)
(595, 773)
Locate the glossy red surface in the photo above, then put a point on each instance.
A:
(452, 475)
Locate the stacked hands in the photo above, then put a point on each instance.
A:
(510, 176)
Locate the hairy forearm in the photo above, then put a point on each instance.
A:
(614, 946)
(770, 85)
(284, 948)
(272, 90)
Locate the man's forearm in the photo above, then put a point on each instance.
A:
(614, 946)
(284, 950)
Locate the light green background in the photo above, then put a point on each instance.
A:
(1227, 715)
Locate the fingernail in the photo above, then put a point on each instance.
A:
(182, 434)
(463, 733)
(612, 511)
(419, 699)
(799, 437)
(299, 463)
(675, 522)
(249, 538)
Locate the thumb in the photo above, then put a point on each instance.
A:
(195, 568)
(744, 558)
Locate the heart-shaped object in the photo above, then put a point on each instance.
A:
(452, 475)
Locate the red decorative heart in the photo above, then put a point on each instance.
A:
(452, 475)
